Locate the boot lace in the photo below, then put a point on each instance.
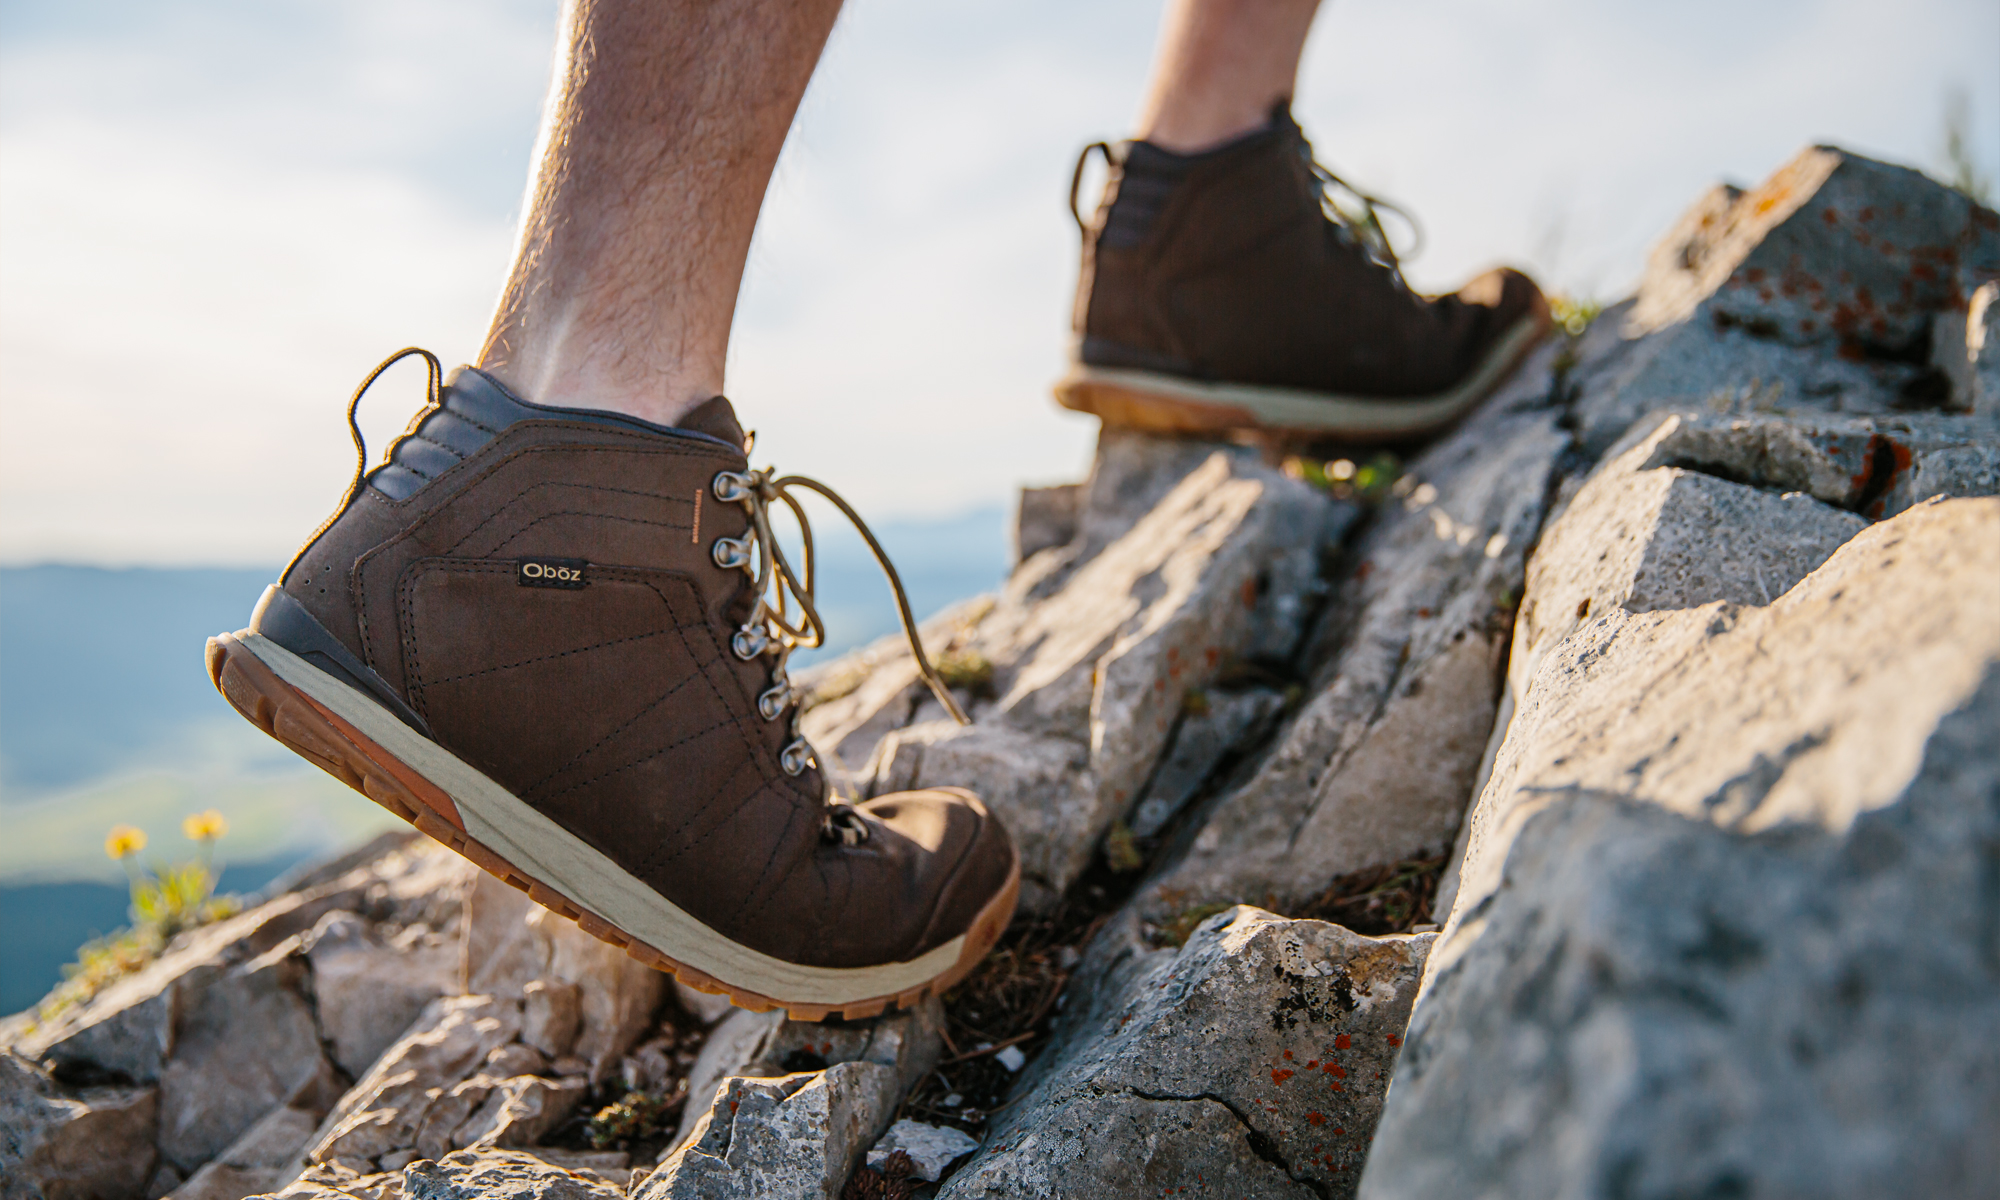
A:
(773, 630)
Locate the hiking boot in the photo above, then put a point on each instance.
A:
(554, 640)
(1247, 288)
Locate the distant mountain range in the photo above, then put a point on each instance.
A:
(107, 716)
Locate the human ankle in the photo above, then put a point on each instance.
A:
(662, 394)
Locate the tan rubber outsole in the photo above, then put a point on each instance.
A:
(1162, 404)
(322, 738)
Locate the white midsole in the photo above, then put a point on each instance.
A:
(504, 824)
(1292, 408)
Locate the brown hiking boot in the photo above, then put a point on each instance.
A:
(1229, 291)
(547, 638)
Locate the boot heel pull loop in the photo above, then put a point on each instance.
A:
(1076, 180)
(434, 392)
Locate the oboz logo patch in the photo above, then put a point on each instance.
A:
(552, 572)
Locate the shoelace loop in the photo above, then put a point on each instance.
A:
(773, 629)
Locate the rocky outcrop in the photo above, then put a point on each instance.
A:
(1723, 896)
(1256, 1054)
(1680, 653)
(89, 1142)
(1184, 559)
(797, 1135)
(1718, 927)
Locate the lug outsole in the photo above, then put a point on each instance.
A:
(1165, 404)
(322, 738)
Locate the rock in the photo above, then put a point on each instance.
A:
(501, 1175)
(1982, 351)
(550, 1015)
(1723, 928)
(1223, 721)
(520, 1110)
(1257, 1054)
(1874, 466)
(766, 1045)
(1046, 517)
(794, 1136)
(244, 1042)
(389, 1106)
(1818, 291)
(369, 990)
(257, 1161)
(1638, 537)
(511, 942)
(1833, 250)
(59, 1142)
(932, 1149)
(1379, 763)
(128, 1028)
(331, 1181)
(1186, 556)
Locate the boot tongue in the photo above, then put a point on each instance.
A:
(716, 418)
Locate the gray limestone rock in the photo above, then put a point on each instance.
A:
(1725, 924)
(794, 1136)
(502, 1175)
(1255, 1057)
(244, 1042)
(511, 942)
(257, 1161)
(369, 989)
(58, 1142)
(1832, 249)
(1046, 517)
(1187, 555)
(1223, 721)
(766, 1045)
(1818, 292)
(1981, 376)
(1379, 763)
(1877, 466)
(931, 1149)
(393, 1105)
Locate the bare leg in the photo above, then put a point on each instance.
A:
(1221, 65)
(663, 125)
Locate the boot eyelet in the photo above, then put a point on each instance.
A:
(749, 642)
(732, 552)
(771, 704)
(843, 826)
(795, 757)
(729, 487)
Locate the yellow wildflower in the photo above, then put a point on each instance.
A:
(204, 826)
(124, 840)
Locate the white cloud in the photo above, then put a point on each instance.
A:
(214, 217)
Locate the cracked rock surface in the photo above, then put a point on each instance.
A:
(1252, 1059)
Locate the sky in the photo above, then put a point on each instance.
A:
(217, 215)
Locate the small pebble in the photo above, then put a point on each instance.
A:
(953, 1100)
(1012, 1058)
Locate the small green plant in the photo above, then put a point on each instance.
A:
(1573, 315)
(967, 669)
(638, 1115)
(1177, 931)
(1962, 172)
(1121, 849)
(1346, 479)
(166, 900)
